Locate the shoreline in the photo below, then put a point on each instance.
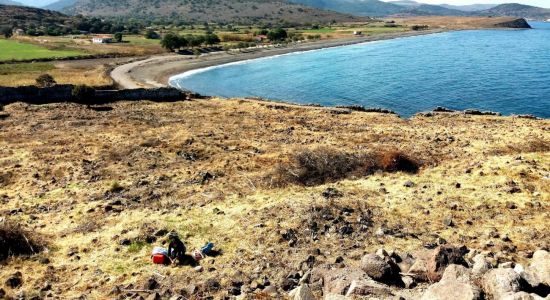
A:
(156, 71)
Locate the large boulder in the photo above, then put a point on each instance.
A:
(500, 283)
(451, 290)
(457, 273)
(368, 287)
(302, 293)
(455, 284)
(377, 267)
(351, 281)
(538, 272)
(443, 256)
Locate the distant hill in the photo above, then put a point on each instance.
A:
(236, 11)
(9, 2)
(469, 8)
(380, 8)
(60, 5)
(408, 3)
(22, 17)
(518, 10)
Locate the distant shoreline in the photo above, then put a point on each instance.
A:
(156, 71)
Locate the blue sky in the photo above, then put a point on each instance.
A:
(541, 3)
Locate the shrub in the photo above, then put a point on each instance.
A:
(45, 80)
(395, 161)
(317, 166)
(82, 93)
(322, 165)
(16, 241)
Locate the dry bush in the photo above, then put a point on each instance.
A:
(529, 146)
(16, 241)
(396, 161)
(322, 165)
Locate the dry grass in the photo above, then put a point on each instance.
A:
(26, 74)
(450, 22)
(59, 162)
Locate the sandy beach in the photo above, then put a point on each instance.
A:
(155, 71)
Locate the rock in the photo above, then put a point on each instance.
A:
(2, 293)
(302, 292)
(522, 296)
(14, 281)
(451, 290)
(335, 297)
(442, 257)
(212, 285)
(376, 267)
(448, 221)
(500, 282)
(408, 184)
(44, 261)
(331, 193)
(151, 284)
(338, 281)
(508, 264)
(538, 271)
(198, 268)
(419, 269)
(382, 253)
(480, 266)
(408, 282)
(154, 296)
(367, 287)
(518, 268)
(457, 273)
(270, 290)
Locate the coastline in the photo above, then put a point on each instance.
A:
(156, 71)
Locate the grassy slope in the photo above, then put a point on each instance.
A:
(14, 50)
(62, 172)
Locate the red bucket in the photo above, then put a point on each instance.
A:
(160, 259)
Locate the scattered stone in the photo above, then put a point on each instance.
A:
(448, 221)
(408, 282)
(480, 266)
(44, 261)
(331, 193)
(302, 292)
(376, 267)
(14, 281)
(125, 242)
(508, 264)
(151, 284)
(199, 268)
(270, 290)
(212, 285)
(500, 282)
(154, 296)
(408, 184)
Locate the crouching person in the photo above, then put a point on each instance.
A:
(176, 249)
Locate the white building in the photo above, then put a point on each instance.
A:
(102, 40)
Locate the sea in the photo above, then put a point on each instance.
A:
(506, 71)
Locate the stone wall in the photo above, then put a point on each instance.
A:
(63, 93)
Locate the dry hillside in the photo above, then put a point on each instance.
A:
(100, 187)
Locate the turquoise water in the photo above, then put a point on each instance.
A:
(500, 70)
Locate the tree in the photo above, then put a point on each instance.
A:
(170, 41)
(6, 31)
(151, 34)
(278, 34)
(45, 80)
(118, 37)
(211, 39)
(195, 40)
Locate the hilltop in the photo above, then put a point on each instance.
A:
(517, 10)
(22, 16)
(248, 11)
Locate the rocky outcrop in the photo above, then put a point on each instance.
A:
(517, 23)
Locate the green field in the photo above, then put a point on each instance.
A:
(14, 50)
